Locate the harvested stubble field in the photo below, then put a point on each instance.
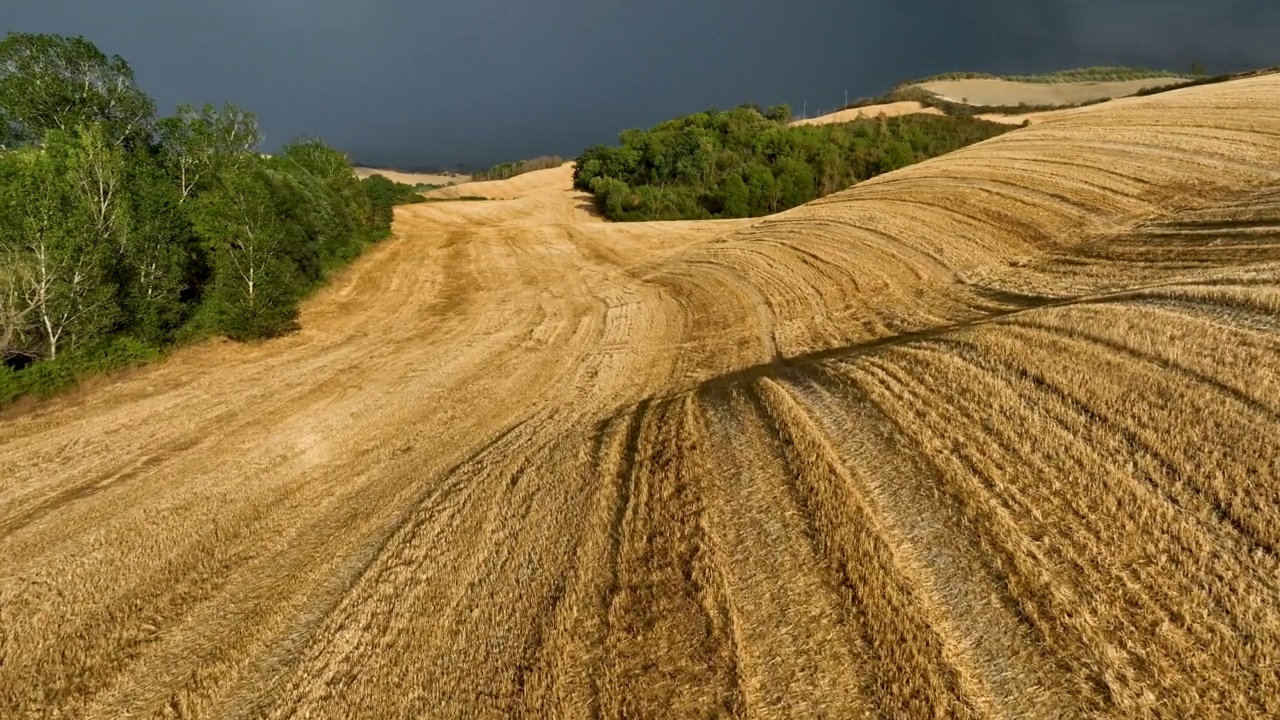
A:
(889, 109)
(412, 178)
(992, 436)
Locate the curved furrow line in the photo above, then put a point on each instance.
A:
(1205, 570)
(922, 675)
(996, 644)
(1149, 475)
(1164, 364)
(669, 644)
(798, 657)
(1056, 199)
(431, 561)
(1137, 654)
(979, 483)
(923, 263)
(1230, 449)
(1146, 462)
(1163, 338)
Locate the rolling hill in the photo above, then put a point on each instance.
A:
(997, 92)
(1011, 100)
(413, 178)
(992, 436)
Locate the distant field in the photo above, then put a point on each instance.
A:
(1009, 93)
(527, 183)
(410, 178)
(1077, 75)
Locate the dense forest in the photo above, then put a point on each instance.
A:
(122, 233)
(748, 162)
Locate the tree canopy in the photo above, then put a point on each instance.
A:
(50, 82)
(122, 233)
(745, 163)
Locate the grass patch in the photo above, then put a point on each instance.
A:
(46, 378)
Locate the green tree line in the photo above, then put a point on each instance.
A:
(506, 171)
(748, 162)
(1075, 75)
(122, 232)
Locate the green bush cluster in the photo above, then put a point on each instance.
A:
(42, 379)
(122, 233)
(746, 162)
(385, 194)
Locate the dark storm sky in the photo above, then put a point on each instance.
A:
(421, 82)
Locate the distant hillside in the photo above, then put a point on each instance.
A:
(1016, 99)
(1077, 75)
(508, 170)
(999, 93)
(413, 178)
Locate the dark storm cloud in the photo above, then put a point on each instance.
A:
(417, 83)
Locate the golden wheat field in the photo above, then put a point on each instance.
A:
(994, 436)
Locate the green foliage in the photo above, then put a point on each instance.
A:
(779, 113)
(121, 235)
(199, 144)
(256, 278)
(384, 194)
(506, 171)
(324, 204)
(46, 378)
(49, 82)
(156, 250)
(742, 163)
(59, 257)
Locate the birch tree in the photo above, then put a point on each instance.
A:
(202, 143)
(255, 288)
(50, 82)
(94, 172)
(154, 242)
(15, 301)
(65, 266)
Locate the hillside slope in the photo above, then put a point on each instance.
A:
(412, 178)
(991, 436)
(996, 92)
(890, 109)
